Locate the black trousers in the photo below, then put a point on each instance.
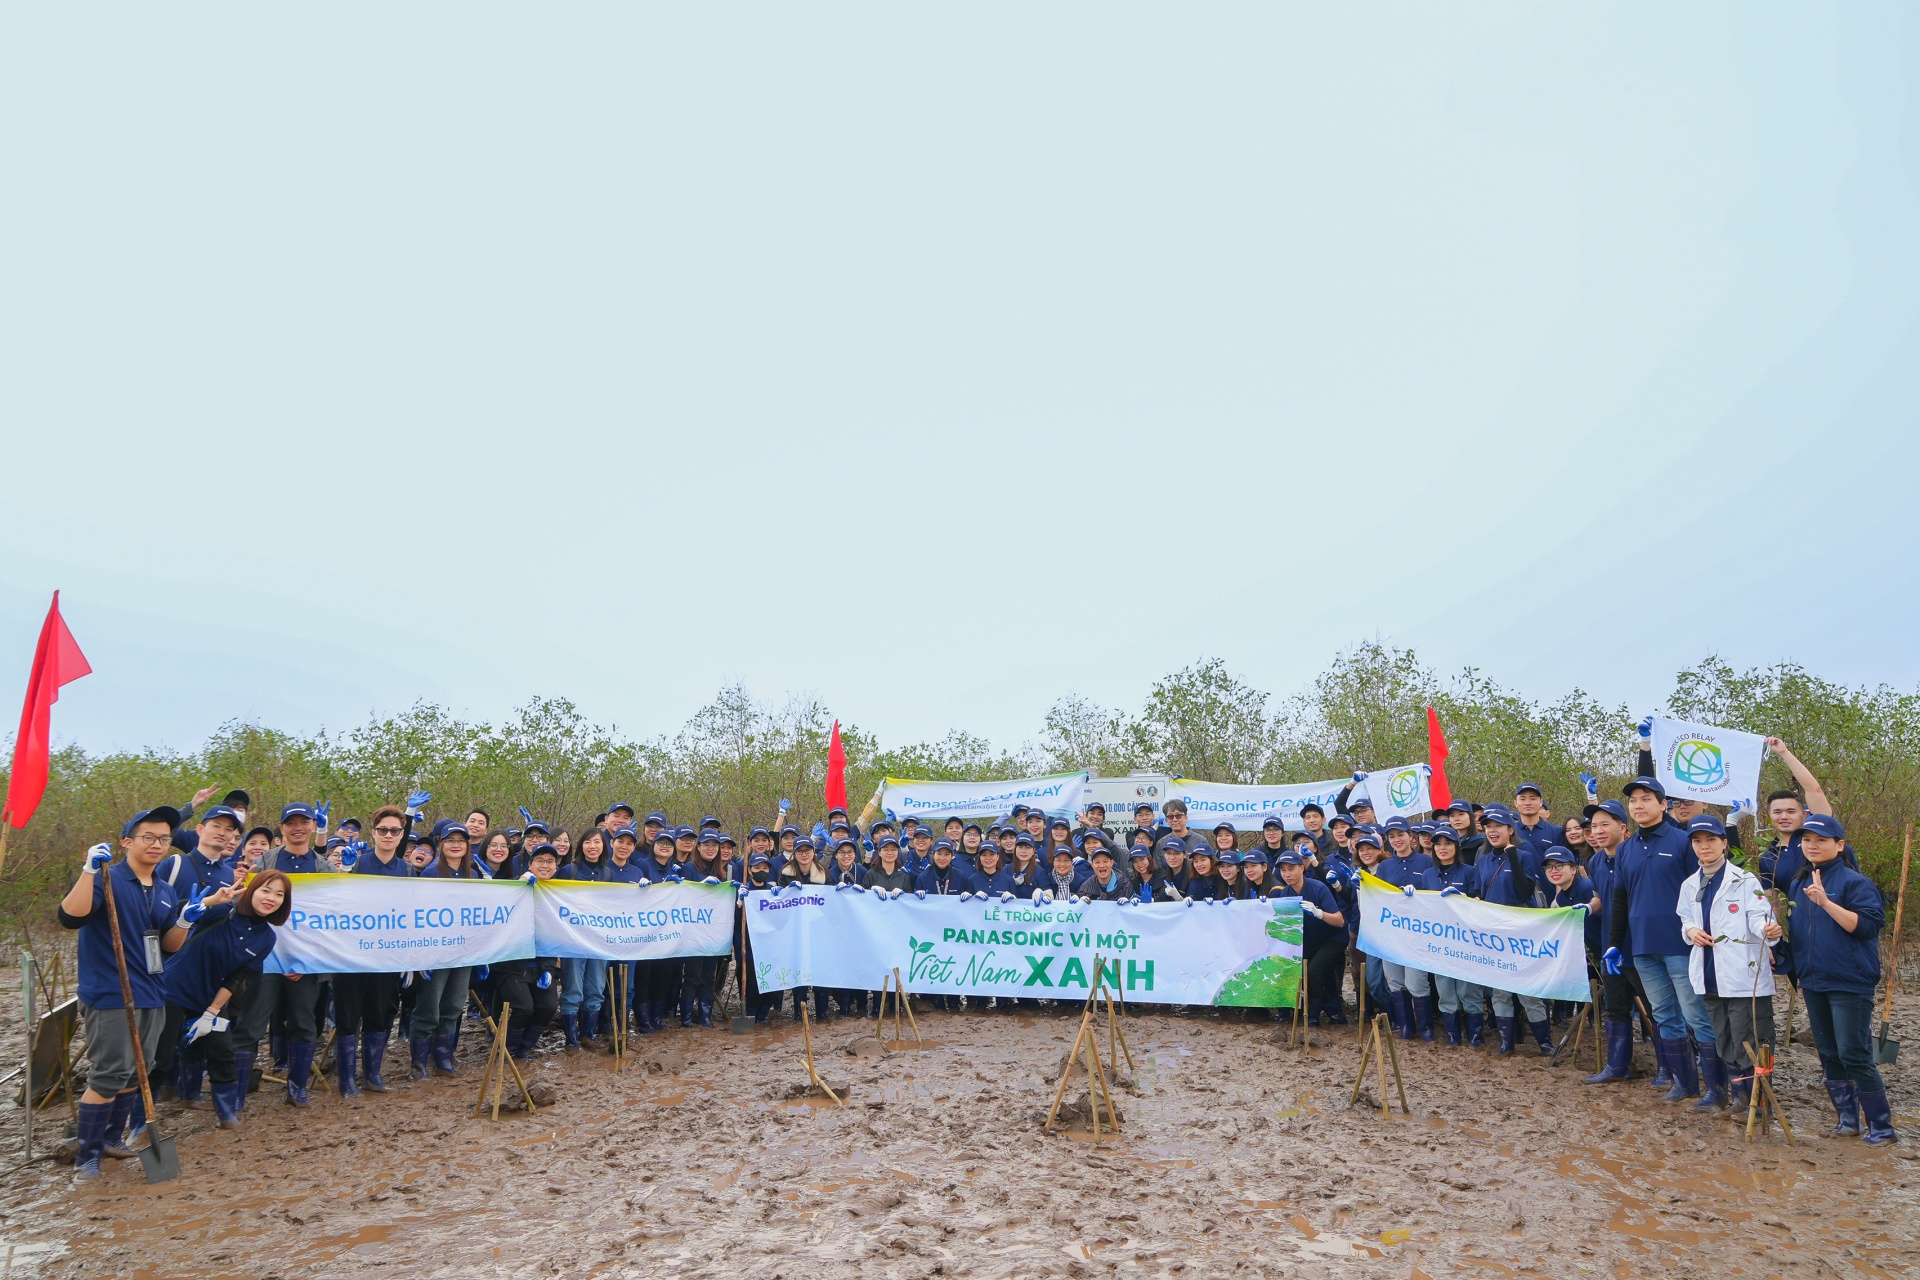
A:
(524, 1002)
(662, 978)
(1617, 991)
(215, 1048)
(1326, 963)
(365, 1003)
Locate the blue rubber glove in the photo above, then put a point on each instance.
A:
(546, 979)
(1006, 895)
(97, 857)
(673, 877)
(842, 887)
(1741, 809)
(785, 805)
(920, 894)
(526, 819)
(194, 908)
(1359, 775)
(1407, 889)
(1189, 902)
(1646, 731)
(350, 854)
(417, 800)
(205, 1024)
(320, 814)
(531, 878)
(866, 845)
(480, 973)
(1612, 960)
(1452, 890)
(858, 888)
(819, 834)
(892, 817)
(1592, 784)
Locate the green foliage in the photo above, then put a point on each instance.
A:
(737, 758)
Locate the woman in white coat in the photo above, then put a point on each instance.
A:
(1724, 913)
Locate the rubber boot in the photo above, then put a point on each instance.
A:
(518, 1042)
(1873, 1105)
(279, 1046)
(1508, 1027)
(299, 1071)
(91, 1133)
(1337, 1013)
(1476, 1030)
(1542, 1036)
(417, 1055)
(373, 1059)
(1713, 1080)
(191, 1076)
(1662, 1072)
(1423, 1018)
(1686, 1081)
(346, 1052)
(1847, 1106)
(1451, 1021)
(1403, 1010)
(1619, 1052)
(1739, 1094)
(704, 1015)
(442, 1051)
(570, 1026)
(116, 1147)
(243, 1072)
(686, 1011)
(226, 1103)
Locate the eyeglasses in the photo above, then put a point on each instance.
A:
(154, 838)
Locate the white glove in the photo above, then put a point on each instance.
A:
(842, 887)
(97, 857)
(920, 894)
(1188, 901)
(1310, 909)
(858, 888)
(1006, 895)
(205, 1024)
(531, 878)
(711, 880)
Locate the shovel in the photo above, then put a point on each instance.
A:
(1885, 1049)
(159, 1159)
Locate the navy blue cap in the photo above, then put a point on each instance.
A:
(1444, 831)
(1228, 857)
(1023, 839)
(938, 845)
(789, 830)
(655, 817)
(1339, 817)
(1257, 855)
(541, 827)
(1708, 823)
(543, 847)
(664, 836)
(992, 847)
(889, 842)
(448, 827)
(618, 805)
(922, 829)
(1397, 823)
(1273, 822)
(726, 840)
(298, 809)
(1218, 827)
(1141, 850)
(838, 845)
(222, 811)
(1559, 853)
(709, 821)
(1097, 847)
(1498, 813)
(710, 837)
(626, 829)
(1362, 802)
(164, 813)
(1824, 824)
(1644, 783)
(759, 831)
(1062, 851)
(1460, 806)
(1368, 837)
(1530, 786)
(1143, 805)
(336, 842)
(1288, 858)
(683, 833)
(804, 842)
(1611, 807)
(1175, 843)
(1311, 805)
(759, 860)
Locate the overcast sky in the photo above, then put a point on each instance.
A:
(939, 361)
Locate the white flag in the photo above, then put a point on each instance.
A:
(1705, 762)
(1397, 793)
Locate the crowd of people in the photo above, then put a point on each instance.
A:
(1676, 927)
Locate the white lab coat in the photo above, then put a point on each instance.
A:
(1741, 913)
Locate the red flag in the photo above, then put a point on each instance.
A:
(57, 660)
(1437, 788)
(836, 771)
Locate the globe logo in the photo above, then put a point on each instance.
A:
(1404, 787)
(1698, 764)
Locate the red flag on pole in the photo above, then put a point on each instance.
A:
(57, 660)
(836, 771)
(1437, 788)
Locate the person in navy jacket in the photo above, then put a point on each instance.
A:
(1510, 875)
(203, 864)
(657, 982)
(991, 874)
(1654, 862)
(1408, 988)
(1535, 832)
(1463, 1004)
(149, 929)
(583, 981)
(365, 1004)
(1323, 938)
(223, 952)
(1607, 830)
(1835, 918)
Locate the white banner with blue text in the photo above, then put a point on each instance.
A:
(1526, 950)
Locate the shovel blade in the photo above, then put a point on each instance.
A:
(159, 1159)
(1886, 1052)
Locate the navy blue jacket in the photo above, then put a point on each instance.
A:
(1401, 872)
(1313, 931)
(628, 874)
(1825, 956)
(1460, 876)
(1001, 881)
(222, 945)
(1603, 871)
(1654, 863)
(1494, 871)
(369, 865)
(141, 908)
(590, 871)
(1540, 838)
(651, 872)
(949, 883)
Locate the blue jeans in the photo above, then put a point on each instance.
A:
(1460, 996)
(438, 1009)
(1677, 1008)
(1842, 1024)
(583, 985)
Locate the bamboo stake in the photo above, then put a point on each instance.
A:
(1383, 1041)
(1360, 1077)
(1763, 1083)
(1115, 1032)
(6, 829)
(1097, 1074)
(1066, 1070)
(813, 1074)
(880, 1023)
(911, 1020)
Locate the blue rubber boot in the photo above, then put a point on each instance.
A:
(1476, 1030)
(1847, 1105)
(1873, 1105)
(1509, 1028)
(1713, 1080)
(116, 1147)
(299, 1072)
(1451, 1021)
(1619, 1053)
(373, 1060)
(91, 1133)
(226, 1103)
(443, 1056)
(243, 1072)
(346, 1052)
(1686, 1081)
(1542, 1036)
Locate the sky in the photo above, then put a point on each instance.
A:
(941, 361)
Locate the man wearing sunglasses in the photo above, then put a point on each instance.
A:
(365, 1004)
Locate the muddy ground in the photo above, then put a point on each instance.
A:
(1238, 1157)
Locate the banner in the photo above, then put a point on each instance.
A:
(1250, 806)
(1528, 951)
(1058, 796)
(1397, 793)
(584, 919)
(1702, 762)
(389, 924)
(1244, 954)
(343, 923)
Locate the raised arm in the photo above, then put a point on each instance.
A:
(1810, 787)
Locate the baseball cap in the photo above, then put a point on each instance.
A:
(1644, 783)
(1708, 823)
(1530, 786)
(1288, 858)
(298, 809)
(448, 827)
(222, 811)
(1367, 837)
(1824, 824)
(164, 813)
(1559, 854)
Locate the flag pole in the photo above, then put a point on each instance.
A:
(6, 829)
